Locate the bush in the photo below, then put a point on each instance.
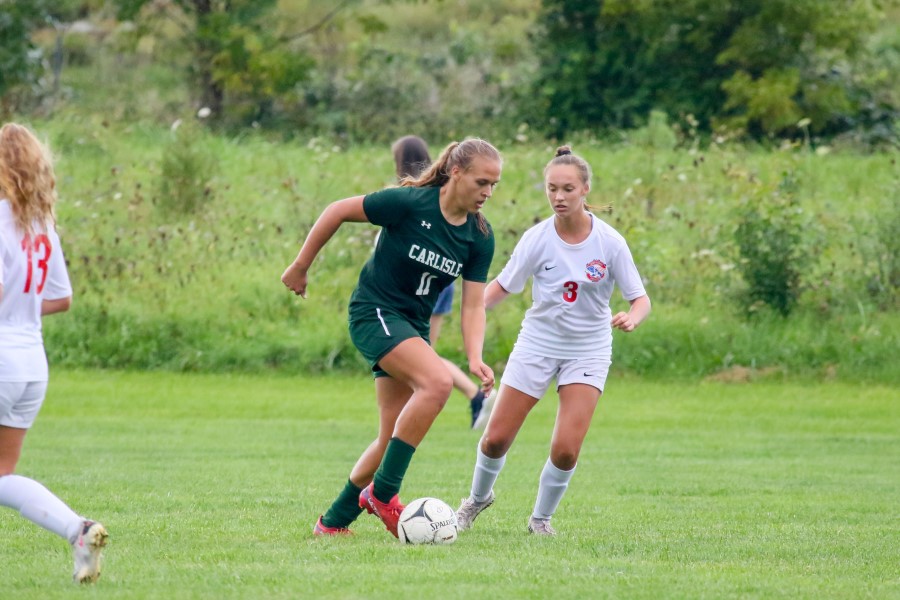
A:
(768, 238)
(188, 168)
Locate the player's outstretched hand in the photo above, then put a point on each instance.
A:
(622, 320)
(294, 278)
(485, 374)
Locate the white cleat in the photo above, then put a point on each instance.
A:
(87, 549)
(469, 509)
(486, 408)
(540, 527)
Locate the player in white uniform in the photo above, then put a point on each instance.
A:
(575, 259)
(33, 282)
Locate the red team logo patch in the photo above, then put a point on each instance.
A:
(596, 270)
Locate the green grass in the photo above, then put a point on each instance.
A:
(210, 484)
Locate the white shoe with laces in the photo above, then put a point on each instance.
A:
(540, 527)
(87, 549)
(469, 509)
(485, 413)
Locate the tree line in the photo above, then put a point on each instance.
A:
(370, 69)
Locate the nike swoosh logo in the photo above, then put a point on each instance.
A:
(589, 375)
(548, 268)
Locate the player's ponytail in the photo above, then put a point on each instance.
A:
(456, 154)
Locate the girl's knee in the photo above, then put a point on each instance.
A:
(494, 447)
(438, 389)
(565, 459)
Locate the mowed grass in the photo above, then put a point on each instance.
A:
(210, 484)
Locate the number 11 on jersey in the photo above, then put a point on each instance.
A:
(425, 284)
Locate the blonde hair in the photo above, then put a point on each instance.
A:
(565, 156)
(26, 177)
(456, 154)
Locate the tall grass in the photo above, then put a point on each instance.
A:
(199, 290)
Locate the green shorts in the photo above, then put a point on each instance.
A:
(376, 331)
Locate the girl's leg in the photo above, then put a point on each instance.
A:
(392, 397)
(577, 403)
(510, 410)
(512, 407)
(31, 499)
(414, 363)
(11, 440)
(21, 403)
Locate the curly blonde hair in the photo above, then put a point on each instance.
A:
(26, 177)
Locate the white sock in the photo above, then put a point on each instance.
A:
(486, 472)
(38, 504)
(551, 490)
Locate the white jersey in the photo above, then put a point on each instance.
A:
(31, 269)
(570, 316)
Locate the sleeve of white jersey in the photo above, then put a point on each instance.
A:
(58, 284)
(627, 277)
(520, 265)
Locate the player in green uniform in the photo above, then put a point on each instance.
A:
(410, 159)
(432, 233)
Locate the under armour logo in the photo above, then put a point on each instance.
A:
(426, 224)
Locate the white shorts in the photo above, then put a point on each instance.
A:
(532, 374)
(20, 402)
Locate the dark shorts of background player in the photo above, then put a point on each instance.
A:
(376, 331)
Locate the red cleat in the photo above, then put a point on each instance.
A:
(388, 513)
(321, 529)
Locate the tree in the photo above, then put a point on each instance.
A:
(760, 65)
(239, 64)
(20, 59)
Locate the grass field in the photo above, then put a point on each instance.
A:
(210, 484)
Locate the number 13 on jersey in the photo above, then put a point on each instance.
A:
(37, 251)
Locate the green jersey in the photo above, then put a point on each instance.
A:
(418, 253)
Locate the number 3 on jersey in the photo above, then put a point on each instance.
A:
(38, 247)
(571, 291)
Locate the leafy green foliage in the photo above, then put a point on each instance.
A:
(881, 250)
(759, 67)
(768, 238)
(188, 166)
(164, 288)
(20, 58)
(372, 71)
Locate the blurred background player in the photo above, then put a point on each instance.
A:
(33, 282)
(410, 159)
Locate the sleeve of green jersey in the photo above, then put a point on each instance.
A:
(480, 257)
(387, 206)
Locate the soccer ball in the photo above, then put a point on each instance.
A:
(427, 521)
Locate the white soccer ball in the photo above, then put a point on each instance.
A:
(427, 521)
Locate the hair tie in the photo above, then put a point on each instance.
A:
(563, 152)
